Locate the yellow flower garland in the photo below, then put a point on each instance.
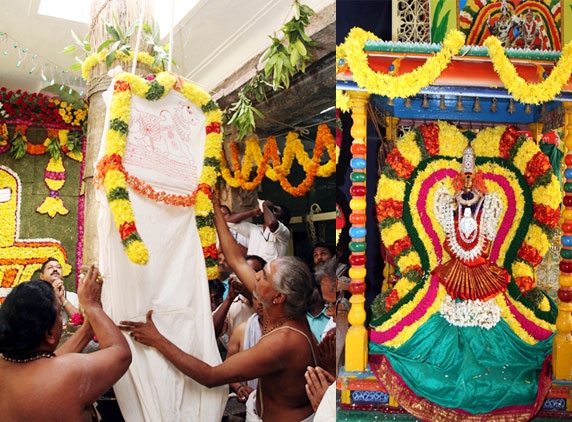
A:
(94, 59)
(530, 93)
(407, 85)
(112, 175)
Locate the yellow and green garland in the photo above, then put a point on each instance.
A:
(112, 175)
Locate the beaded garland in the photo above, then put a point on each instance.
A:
(48, 355)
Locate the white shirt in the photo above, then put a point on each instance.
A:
(329, 326)
(262, 242)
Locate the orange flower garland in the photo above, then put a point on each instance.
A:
(279, 170)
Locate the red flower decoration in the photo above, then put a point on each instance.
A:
(389, 208)
(210, 251)
(127, 229)
(400, 164)
(214, 127)
(536, 167)
(430, 133)
(525, 283)
(76, 319)
(529, 254)
(121, 86)
(546, 215)
(391, 299)
(507, 141)
(399, 246)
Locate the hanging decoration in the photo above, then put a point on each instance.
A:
(94, 59)
(279, 170)
(351, 56)
(32, 63)
(112, 175)
(402, 86)
(530, 93)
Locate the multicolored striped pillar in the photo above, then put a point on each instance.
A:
(562, 345)
(356, 338)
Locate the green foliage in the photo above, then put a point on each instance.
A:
(18, 148)
(53, 148)
(119, 41)
(280, 62)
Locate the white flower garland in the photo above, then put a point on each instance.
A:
(471, 313)
(492, 210)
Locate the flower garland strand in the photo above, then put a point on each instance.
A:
(530, 93)
(94, 59)
(115, 179)
(279, 170)
(403, 86)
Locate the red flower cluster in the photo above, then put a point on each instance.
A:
(529, 254)
(430, 134)
(546, 215)
(400, 164)
(76, 319)
(391, 299)
(210, 251)
(399, 246)
(508, 139)
(31, 109)
(536, 167)
(389, 208)
(524, 283)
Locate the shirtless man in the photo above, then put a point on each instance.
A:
(279, 360)
(38, 384)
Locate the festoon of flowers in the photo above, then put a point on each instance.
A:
(94, 59)
(522, 91)
(115, 179)
(402, 86)
(279, 170)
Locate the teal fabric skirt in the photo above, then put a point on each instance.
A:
(468, 368)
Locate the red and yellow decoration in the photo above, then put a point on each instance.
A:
(20, 258)
(279, 170)
(428, 157)
(112, 175)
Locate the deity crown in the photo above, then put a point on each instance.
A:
(469, 160)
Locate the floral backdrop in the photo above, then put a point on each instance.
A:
(41, 193)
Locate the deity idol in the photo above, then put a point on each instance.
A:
(469, 220)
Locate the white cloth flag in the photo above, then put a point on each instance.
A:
(165, 148)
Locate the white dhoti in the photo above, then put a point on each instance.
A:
(168, 156)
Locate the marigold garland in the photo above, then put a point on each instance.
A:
(403, 86)
(279, 170)
(115, 179)
(94, 59)
(530, 93)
